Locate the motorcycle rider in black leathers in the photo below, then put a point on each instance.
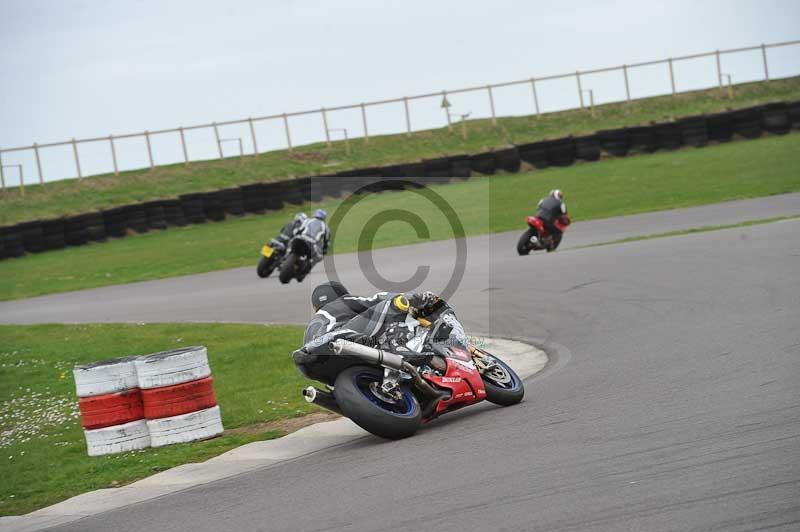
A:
(552, 208)
(377, 320)
(289, 230)
(316, 229)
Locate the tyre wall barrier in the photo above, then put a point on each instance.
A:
(41, 235)
(587, 148)
(615, 142)
(156, 217)
(153, 400)
(535, 154)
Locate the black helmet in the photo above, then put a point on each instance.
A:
(327, 292)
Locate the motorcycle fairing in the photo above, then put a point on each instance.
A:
(462, 379)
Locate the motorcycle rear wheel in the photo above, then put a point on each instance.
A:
(265, 267)
(524, 243)
(287, 268)
(372, 412)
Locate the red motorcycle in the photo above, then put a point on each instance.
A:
(537, 237)
(389, 397)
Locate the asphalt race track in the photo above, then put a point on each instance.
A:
(671, 401)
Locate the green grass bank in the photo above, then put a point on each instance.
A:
(612, 187)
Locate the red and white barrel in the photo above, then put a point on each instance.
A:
(178, 396)
(110, 403)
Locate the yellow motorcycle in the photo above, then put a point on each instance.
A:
(271, 256)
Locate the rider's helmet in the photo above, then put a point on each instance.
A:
(320, 214)
(557, 194)
(327, 292)
(300, 217)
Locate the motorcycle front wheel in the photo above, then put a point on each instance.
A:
(503, 385)
(287, 268)
(524, 243)
(265, 266)
(357, 392)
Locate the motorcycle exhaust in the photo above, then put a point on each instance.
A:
(320, 398)
(390, 360)
(368, 354)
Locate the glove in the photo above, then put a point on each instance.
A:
(423, 303)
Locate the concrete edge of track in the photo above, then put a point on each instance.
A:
(526, 360)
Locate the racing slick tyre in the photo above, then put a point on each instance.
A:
(523, 245)
(287, 268)
(503, 385)
(265, 267)
(357, 393)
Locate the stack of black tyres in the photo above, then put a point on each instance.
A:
(213, 206)
(668, 136)
(273, 195)
(508, 159)
(775, 118)
(312, 186)
(232, 201)
(587, 148)
(720, 127)
(643, 139)
(254, 198)
(193, 211)
(438, 170)
(793, 109)
(173, 212)
(32, 238)
(561, 152)
(115, 221)
(75, 233)
(535, 154)
(12, 242)
(136, 218)
(331, 185)
(747, 122)
(393, 176)
(461, 167)
(412, 173)
(53, 233)
(95, 226)
(615, 142)
(156, 217)
(694, 131)
(485, 163)
(291, 192)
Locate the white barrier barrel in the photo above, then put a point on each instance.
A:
(199, 425)
(178, 397)
(172, 367)
(118, 439)
(106, 376)
(110, 404)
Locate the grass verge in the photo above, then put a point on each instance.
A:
(704, 229)
(42, 448)
(102, 191)
(613, 187)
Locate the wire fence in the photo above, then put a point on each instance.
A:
(533, 84)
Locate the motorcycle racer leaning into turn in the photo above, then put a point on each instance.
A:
(316, 230)
(379, 321)
(551, 208)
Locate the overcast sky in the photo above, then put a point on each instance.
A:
(90, 68)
